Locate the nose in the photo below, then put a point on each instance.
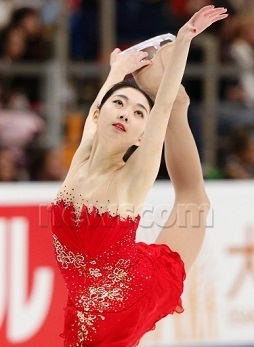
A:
(125, 117)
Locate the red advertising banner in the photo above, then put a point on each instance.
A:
(218, 296)
(32, 291)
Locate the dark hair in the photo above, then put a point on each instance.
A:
(240, 139)
(126, 84)
(21, 13)
(4, 37)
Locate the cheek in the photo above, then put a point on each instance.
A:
(142, 126)
(101, 123)
(104, 119)
(138, 129)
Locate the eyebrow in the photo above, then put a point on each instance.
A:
(127, 99)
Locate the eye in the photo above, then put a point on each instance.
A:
(140, 114)
(118, 102)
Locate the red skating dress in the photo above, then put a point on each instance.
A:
(117, 288)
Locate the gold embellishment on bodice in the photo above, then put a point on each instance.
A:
(98, 294)
(86, 322)
(65, 257)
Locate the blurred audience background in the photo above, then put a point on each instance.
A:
(29, 48)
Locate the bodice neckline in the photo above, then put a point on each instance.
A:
(93, 210)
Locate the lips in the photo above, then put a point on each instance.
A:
(119, 126)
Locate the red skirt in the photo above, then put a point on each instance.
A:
(127, 327)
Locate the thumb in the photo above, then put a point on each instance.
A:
(117, 51)
(114, 54)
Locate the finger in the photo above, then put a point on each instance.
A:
(142, 55)
(114, 54)
(204, 12)
(145, 62)
(210, 12)
(217, 14)
(218, 9)
(213, 15)
(222, 16)
(205, 9)
(116, 51)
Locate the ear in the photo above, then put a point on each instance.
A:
(96, 114)
(138, 142)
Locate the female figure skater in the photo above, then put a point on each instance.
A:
(117, 288)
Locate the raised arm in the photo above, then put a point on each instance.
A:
(174, 71)
(144, 163)
(120, 66)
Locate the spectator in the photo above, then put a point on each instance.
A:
(242, 51)
(239, 164)
(18, 129)
(12, 43)
(8, 167)
(14, 99)
(37, 48)
(47, 165)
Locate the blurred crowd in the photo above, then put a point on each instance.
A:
(27, 36)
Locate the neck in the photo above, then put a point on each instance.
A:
(104, 159)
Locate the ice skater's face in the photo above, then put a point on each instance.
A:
(123, 117)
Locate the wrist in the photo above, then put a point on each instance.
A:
(117, 72)
(183, 36)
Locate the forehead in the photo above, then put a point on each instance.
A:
(134, 96)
